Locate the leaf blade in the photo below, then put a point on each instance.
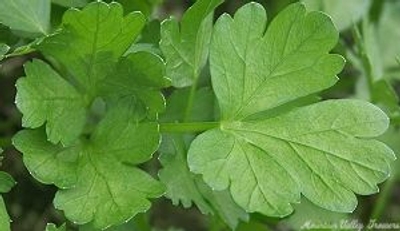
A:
(311, 164)
(32, 16)
(99, 182)
(43, 96)
(186, 47)
(325, 151)
(92, 40)
(235, 67)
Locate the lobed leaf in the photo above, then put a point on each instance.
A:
(43, 96)
(98, 181)
(185, 46)
(88, 47)
(249, 69)
(324, 151)
(91, 41)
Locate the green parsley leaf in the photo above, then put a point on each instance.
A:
(253, 73)
(44, 96)
(4, 218)
(323, 151)
(89, 45)
(186, 47)
(297, 152)
(31, 16)
(91, 41)
(98, 180)
(140, 77)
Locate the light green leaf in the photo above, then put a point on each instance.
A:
(53, 227)
(185, 47)
(3, 50)
(91, 41)
(31, 16)
(249, 69)
(71, 3)
(98, 180)
(343, 12)
(48, 163)
(140, 77)
(321, 151)
(45, 97)
(4, 218)
(324, 151)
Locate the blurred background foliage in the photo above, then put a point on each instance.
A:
(370, 41)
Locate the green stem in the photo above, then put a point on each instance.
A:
(187, 127)
(365, 61)
(189, 106)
